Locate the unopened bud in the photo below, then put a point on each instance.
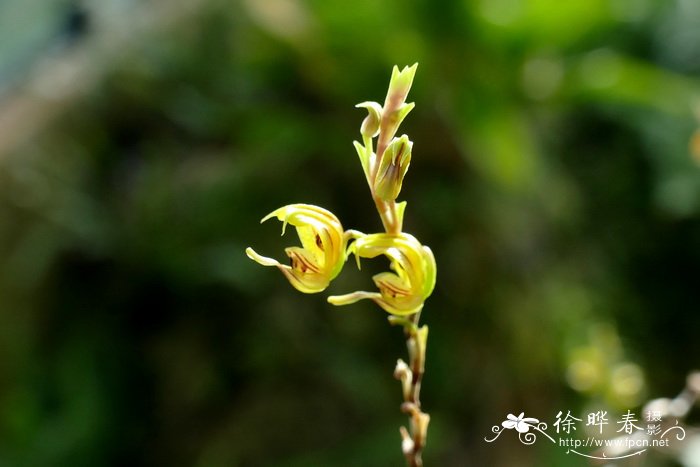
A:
(407, 444)
(400, 83)
(392, 168)
(404, 374)
(419, 424)
(370, 125)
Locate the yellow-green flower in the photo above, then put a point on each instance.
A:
(322, 254)
(403, 291)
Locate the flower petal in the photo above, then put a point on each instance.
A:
(394, 309)
(397, 295)
(429, 272)
(264, 260)
(347, 299)
(302, 260)
(392, 285)
(306, 283)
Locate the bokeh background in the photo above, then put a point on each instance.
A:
(555, 175)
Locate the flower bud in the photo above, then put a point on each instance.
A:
(393, 166)
(400, 84)
(404, 374)
(370, 125)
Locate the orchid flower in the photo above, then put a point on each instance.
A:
(322, 253)
(403, 291)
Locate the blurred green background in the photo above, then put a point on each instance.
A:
(141, 142)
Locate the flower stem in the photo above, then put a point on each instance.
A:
(414, 439)
(387, 212)
(411, 375)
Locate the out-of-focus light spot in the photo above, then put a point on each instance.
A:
(56, 78)
(690, 454)
(627, 383)
(679, 407)
(31, 188)
(541, 77)
(695, 146)
(600, 68)
(689, 6)
(659, 405)
(630, 11)
(583, 375)
(404, 43)
(693, 381)
(677, 194)
(677, 36)
(501, 12)
(287, 19)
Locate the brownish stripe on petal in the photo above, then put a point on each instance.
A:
(301, 263)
